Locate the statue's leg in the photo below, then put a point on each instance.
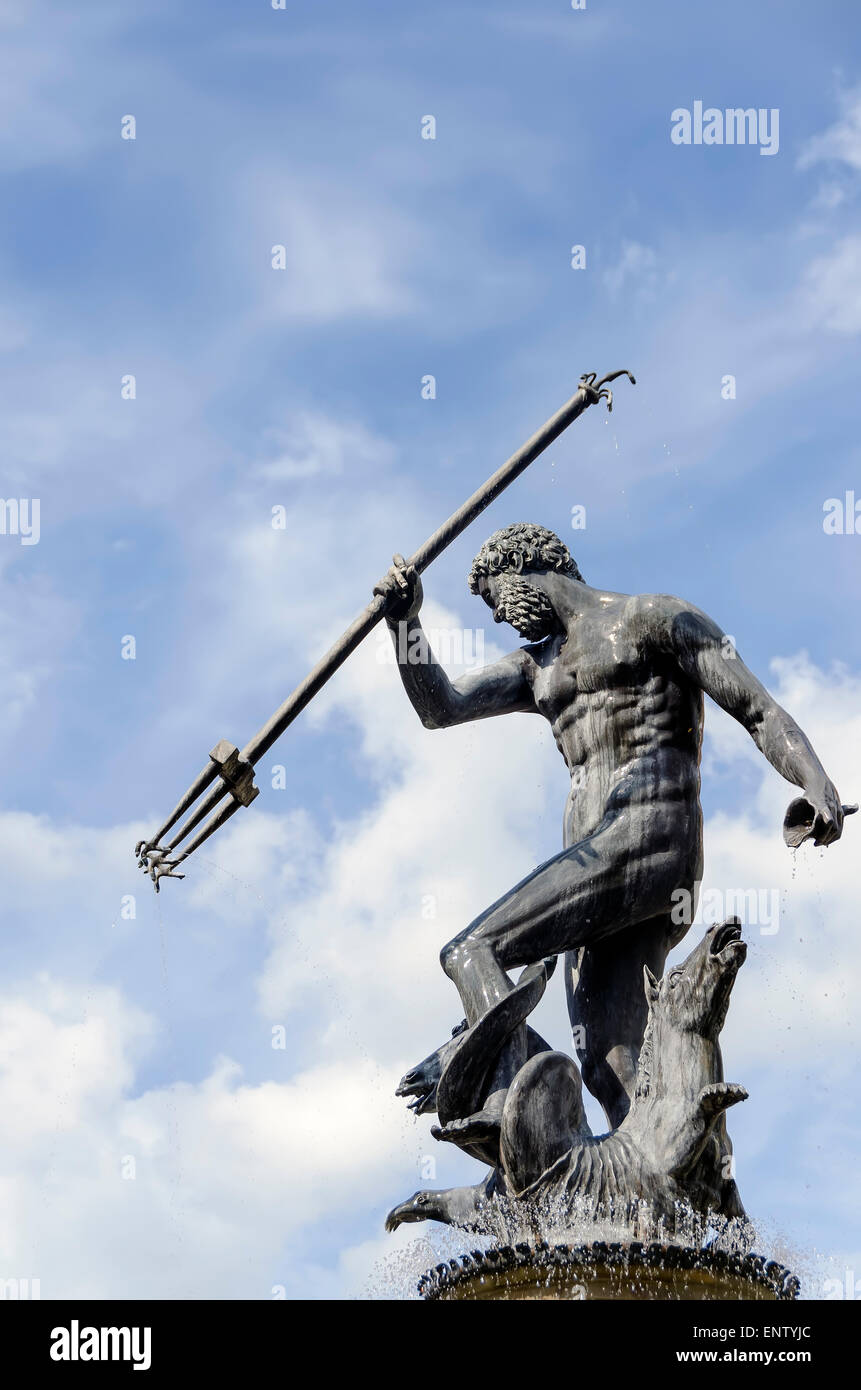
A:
(608, 1011)
(590, 891)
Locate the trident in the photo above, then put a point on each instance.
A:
(232, 771)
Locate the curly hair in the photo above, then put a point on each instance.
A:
(519, 548)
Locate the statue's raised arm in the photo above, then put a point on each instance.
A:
(498, 688)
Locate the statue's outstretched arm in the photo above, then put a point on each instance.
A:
(709, 658)
(501, 688)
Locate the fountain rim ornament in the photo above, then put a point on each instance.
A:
(554, 1266)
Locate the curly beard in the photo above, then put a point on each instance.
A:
(527, 609)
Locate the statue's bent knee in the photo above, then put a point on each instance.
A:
(451, 956)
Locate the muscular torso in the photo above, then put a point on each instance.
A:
(626, 721)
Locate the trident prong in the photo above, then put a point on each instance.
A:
(151, 858)
(599, 390)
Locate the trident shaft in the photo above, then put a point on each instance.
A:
(227, 781)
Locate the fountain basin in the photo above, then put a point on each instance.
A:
(602, 1270)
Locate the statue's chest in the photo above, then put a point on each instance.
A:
(592, 665)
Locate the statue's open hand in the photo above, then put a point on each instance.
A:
(816, 816)
(401, 587)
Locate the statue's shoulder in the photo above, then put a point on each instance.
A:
(655, 610)
(654, 620)
(659, 603)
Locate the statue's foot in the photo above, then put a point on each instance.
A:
(482, 1128)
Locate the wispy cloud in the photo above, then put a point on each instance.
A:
(841, 142)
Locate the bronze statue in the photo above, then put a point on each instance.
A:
(620, 678)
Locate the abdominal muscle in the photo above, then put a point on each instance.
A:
(631, 749)
(653, 800)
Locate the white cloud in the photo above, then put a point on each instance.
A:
(53, 110)
(574, 30)
(344, 256)
(312, 444)
(38, 626)
(219, 1168)
(833, 286)
(637, 262)
(841, 142)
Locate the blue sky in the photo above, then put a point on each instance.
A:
(300, 388)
